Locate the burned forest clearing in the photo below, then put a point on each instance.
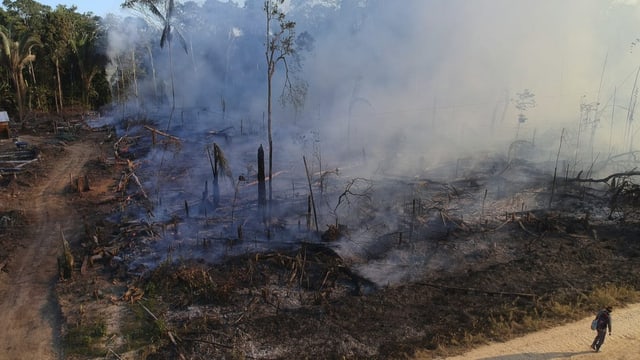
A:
(327, 179)
(160, 258)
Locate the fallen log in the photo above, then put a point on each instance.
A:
(265, 179)
(161, 133)
(478, 291)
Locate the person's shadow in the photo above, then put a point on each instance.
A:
(537, 356)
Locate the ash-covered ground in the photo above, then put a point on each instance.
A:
(399, 264)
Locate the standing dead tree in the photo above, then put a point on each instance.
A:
(262, 191)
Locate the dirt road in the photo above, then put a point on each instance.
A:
(29, 312)
(570, 341)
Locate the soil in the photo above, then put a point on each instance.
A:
(31, 315)
(300, 302)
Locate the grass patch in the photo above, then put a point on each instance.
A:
(86, 339)
(142, 330)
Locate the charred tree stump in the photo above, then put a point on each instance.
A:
(65, 260)
(313, 204)
(81, 184)
(86, 186)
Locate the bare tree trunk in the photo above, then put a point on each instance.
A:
(271, 65)
(59, 103)
(173, 89)
(135, 79)
(262, 193)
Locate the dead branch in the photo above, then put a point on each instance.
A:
(170, 334)
(220, 132)
(114, 354)
(135, 177)
(124, 179)
(246, 309)
(354, 183)
(525, 229)
(214, 344)
(605, 179)
(117, 144)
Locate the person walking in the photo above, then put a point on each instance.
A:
(603, 322)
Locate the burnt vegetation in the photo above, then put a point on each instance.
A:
(466, 261)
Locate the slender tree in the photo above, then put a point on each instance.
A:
(57, 41)
(281, 49)
(91, 60)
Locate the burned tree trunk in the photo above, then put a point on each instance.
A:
(216, 180)
(262, 190)
(214, 169)
(205, 205)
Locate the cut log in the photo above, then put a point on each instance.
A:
(162, 133)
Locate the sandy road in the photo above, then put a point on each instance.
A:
(570, 341)
(28, 311)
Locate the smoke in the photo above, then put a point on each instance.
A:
(394, 88)
(424, 72)
(448, 70)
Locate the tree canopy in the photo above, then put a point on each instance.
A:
(44, 69)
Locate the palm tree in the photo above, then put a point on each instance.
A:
(15, 55)
(90, 61)
(166, 22)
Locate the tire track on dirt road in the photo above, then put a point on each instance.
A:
(570, 341)
(28, 309)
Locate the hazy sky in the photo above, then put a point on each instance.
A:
(98, 7)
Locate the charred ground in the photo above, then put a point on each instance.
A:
(470, 273)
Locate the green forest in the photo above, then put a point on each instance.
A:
(52, 59)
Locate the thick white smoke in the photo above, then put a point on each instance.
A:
(394, 88)
(414, 73)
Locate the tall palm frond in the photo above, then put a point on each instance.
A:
(164, 18)
(16, 54)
